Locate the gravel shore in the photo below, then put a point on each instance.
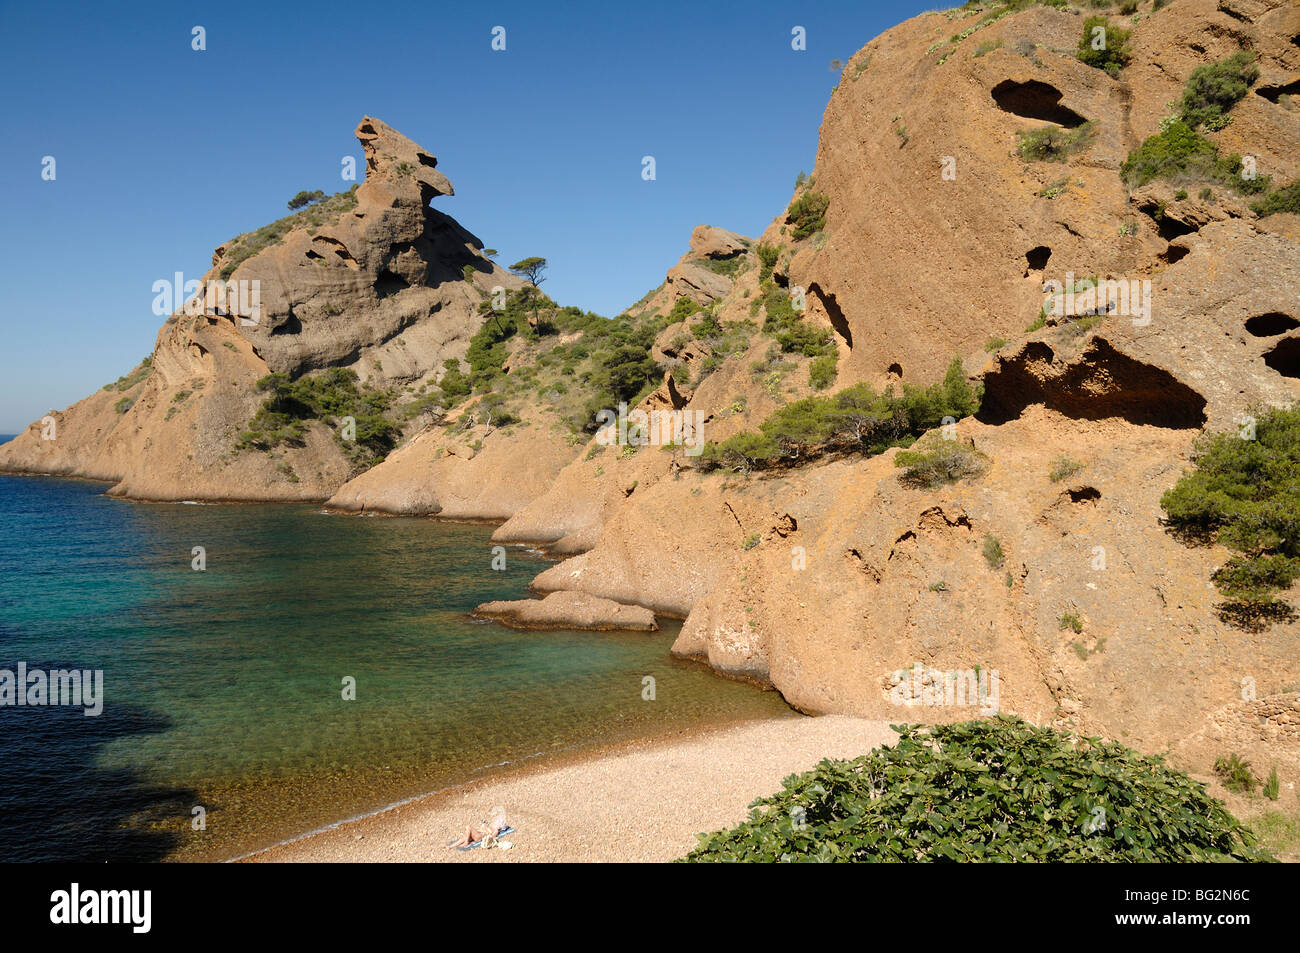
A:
(642, 802)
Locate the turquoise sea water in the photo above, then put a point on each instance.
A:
(224, 687)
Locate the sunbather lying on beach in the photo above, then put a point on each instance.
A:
(491, 828)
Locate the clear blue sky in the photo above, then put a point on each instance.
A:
(163, 152)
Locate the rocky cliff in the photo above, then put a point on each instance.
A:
(372, 281)
(825, 580)
(967, 159)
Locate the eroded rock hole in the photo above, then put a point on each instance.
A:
(1102, 383)
(1035, 100)
(1174, 253)
(1273, 93)
(1167, 226)
(1285, 358)
(389, 283)
(1270, 324)
(1083, 494)
(895, 370)
(1036, 258)
(290, 325)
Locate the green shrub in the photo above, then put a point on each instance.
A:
(767, 258)
(1114, 53)
(1180, 153)
(708, 326)
(1235, 774)
(856, 420)
(1053, 189)
(722, 266)
(1245, 495)
(990, 790)
(1070, 621)
(992, 550)
(683, 308)
(792, 333)
(1285, 199)
(327, 396)
(487, 348)
(822, 371)
(1273, 786)
(936, 461)
(304, 198)
(807, 214)
(1064, 467)
(1052, 143)
(1214, 88)
(123, 405)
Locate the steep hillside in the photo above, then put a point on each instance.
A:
(808, 565)
(361, 299)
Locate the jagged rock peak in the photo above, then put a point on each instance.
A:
(389, 154)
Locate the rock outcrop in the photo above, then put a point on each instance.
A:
(568, 610)
(373, 281)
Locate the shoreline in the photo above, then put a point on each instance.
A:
(636, 800)
(525, 766)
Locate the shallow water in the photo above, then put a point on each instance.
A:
(225, 687)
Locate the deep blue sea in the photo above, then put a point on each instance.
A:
(224, 688)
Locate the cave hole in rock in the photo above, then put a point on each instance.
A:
(1167, 226)
(290, 325)
(1083, 494)
(1035, 100)
(389, 283)
(895, 370)
(1174, 253)
(1271, 324)
(1101, 383)
(1036, 258)
(314, 255)
(1273, 93)
(1285, 357)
